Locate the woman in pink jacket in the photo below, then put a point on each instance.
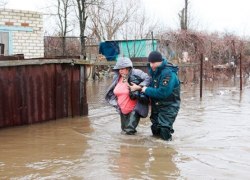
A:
(131, 104)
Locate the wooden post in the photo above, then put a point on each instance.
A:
(201, 74)
(83, 93)
(152, 34)
(240, 73)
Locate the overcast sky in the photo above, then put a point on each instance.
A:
(231, 16)
(213, 15)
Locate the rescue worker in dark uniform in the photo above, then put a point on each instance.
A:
(164, 92)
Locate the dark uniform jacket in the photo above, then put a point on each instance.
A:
(164, 89)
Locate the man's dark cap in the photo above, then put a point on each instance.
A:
(154, 56)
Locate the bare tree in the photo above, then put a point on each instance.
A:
(139, 26)
(3, 3)
(82, 6)
(137, 29)
(186, 13)
(106, 20)
(121, 20)
(63, 15)
(67, 11)
(183, 15)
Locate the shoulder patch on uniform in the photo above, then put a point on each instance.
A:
(165, 81)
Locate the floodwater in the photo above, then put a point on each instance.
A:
(211, 141)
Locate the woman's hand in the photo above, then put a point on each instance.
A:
(134, 87)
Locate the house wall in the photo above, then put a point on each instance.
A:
(25, 32)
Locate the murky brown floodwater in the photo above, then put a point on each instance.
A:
(211, 141)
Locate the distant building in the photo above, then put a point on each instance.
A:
(21, 32)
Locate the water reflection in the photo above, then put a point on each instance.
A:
(42, 150)
(145, 163)
(211, 141)
(213, 134)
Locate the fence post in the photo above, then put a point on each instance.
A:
(240, 73)
(152, 35)
(201, 74)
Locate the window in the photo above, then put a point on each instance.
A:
(4, 39)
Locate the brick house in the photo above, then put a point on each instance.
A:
(21, 32)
